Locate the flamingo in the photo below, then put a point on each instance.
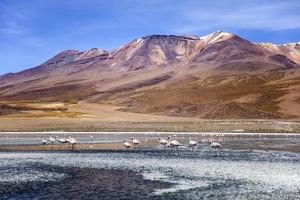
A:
(91, 141)
(72, 142)
(163, 142)
(135, 142)
(192, 143)
(173, 143)
(44, 141)
(127, 144)
(215, 145)
(68, 139)
(62, 141)
(51, 139)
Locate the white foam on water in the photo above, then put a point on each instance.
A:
(15, 176)
(182, 185)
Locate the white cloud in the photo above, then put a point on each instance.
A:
(14, 20)
(239, 15)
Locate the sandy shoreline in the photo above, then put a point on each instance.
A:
(94, 125)
(238, 132)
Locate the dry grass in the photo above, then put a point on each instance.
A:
(196, 98)
(56, 114)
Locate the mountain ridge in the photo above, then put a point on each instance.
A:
(170, 75)
(266, 45)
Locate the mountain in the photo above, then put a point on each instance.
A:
(290, 50)
(220, 75)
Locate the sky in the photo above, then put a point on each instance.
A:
(33, 31)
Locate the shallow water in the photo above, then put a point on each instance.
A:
(155, 173)
(264, 141)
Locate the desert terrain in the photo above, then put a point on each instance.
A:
(103, 117)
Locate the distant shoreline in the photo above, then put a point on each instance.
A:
(100, 125)
(156, 133)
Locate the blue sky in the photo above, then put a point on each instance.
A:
(32, 31)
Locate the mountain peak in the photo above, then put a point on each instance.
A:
(63, 55)
(210, 38)
(292, 44)
(67, 53)
(95, 49)
(216, 37)
(188, 37)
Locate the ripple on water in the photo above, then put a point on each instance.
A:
(18, 175)
(231, 175)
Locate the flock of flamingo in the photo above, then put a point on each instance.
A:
(62, 140)
(173, 143)
(169, 142)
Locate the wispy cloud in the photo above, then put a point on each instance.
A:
(12, 20)
(270, 16)
(36, 29)
(13, 27)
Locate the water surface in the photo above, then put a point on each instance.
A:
(246, 168)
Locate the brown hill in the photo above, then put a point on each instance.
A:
(204, 77)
